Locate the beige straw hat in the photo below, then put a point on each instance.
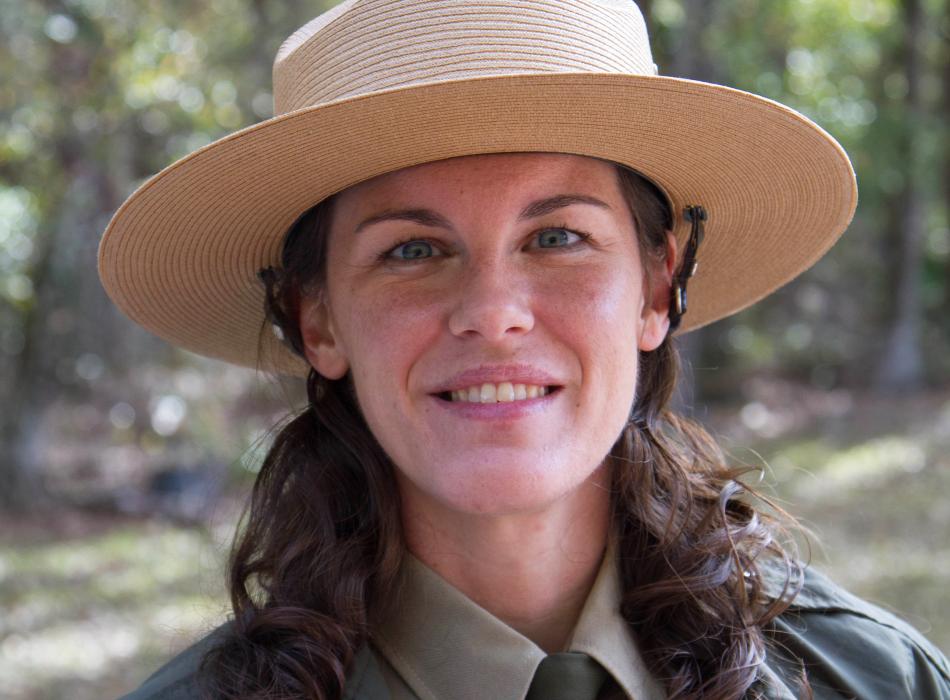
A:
(372, 86)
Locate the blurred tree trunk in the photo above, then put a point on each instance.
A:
(646, 8)
(33, 378)
(944, 63)
(19, 474)
(901, 368)
(691, 59)
(74, 194)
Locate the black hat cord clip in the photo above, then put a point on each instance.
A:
(696, 215)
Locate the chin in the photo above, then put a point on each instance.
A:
(503, 490)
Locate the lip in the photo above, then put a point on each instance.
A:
(495, 374)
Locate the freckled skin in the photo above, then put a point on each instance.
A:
(488, 294)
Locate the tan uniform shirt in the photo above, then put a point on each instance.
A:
(439, 644)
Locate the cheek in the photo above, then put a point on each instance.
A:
(598, 318)
(390, 326)
(603, 302)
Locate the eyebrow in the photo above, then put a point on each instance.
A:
(559, 201)
(427, 217)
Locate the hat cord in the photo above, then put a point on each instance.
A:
(696, 215)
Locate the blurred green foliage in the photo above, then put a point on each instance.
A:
(97, 95)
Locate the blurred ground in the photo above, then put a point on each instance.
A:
(870, 477)
(91, 603)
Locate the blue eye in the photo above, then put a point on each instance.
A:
(412, 250)
(559, 238)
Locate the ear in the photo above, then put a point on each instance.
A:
(657, 287)
(321, 343)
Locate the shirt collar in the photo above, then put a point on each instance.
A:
(605, 636)
(445, 645)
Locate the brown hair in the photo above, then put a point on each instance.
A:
(321, 542)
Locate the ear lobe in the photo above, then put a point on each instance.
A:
(654, 329)
(656, 306)
(320, 342)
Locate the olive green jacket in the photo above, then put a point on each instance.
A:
(850, 648)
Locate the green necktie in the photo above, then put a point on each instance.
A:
(567, 676)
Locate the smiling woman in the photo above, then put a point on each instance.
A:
(487, 495)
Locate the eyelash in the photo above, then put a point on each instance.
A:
(384, 257)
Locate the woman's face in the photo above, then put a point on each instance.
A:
(466, 279)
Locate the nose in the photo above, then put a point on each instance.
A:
(491, 301)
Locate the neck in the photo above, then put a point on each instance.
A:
(532, 571)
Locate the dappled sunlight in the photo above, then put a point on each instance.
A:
(95, 609)
(861, 466)
(872, 485)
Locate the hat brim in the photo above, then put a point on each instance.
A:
(181, 256)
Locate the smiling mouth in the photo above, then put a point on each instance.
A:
(503, 392)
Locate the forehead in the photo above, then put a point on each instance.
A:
(489, 175)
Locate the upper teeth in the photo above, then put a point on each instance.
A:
(494, 393)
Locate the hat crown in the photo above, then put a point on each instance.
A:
(366, 46)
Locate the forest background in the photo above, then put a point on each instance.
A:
(124, 461)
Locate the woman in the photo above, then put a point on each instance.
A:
(475, 225)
